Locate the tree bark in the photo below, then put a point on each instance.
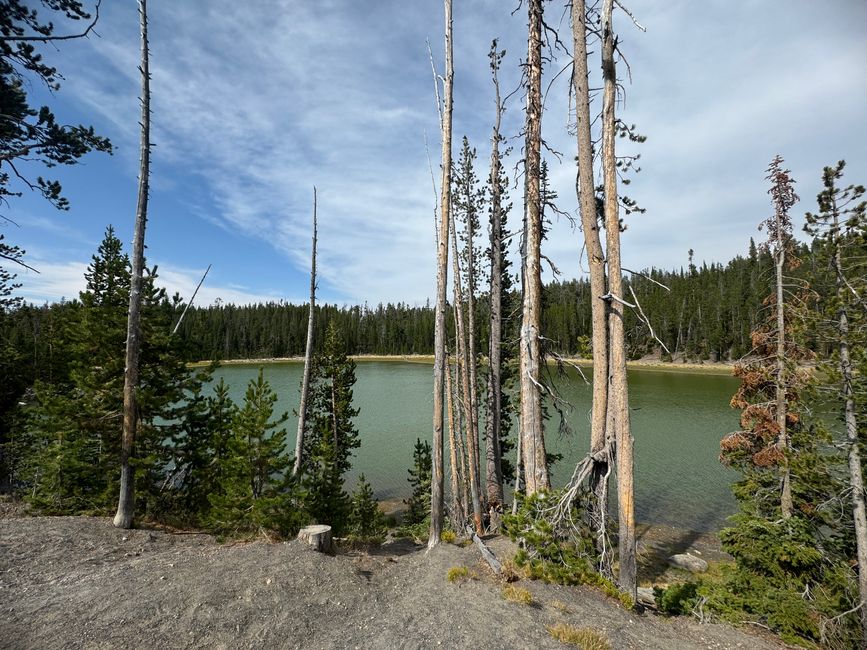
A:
(308, 354)
(850, 419)
(464, 363)
(584, 186)
(318, 537)
(781, 405)
(531, 424)
(126, 501)
(458, 503)
(493, 452)
(618, 396)
(437, 481)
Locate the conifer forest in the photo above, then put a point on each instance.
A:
(112, 405)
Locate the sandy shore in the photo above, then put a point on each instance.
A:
(714, 368)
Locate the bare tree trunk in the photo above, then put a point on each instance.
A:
(782, 407)
(493, 452)
(596, 262)
(464, 363)
(437, 481)
(850, 418)
(472, 363)
(308, 354)
(126, 501)
(532, 430)
(458, 503)
(618, 396)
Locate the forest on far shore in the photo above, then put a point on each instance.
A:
(700, 313)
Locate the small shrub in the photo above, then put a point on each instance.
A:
(460, 574)
(678, 599)
(585, 638)
(448, 536)
(517, 595)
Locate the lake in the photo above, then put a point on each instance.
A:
(678, 419)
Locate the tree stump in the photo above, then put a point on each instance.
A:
(318, 537)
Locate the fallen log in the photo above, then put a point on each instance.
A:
(490, 558)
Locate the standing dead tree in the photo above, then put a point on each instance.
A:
(779, 227)
(126, 501)
(617, 421)
(308, 354)
(531, 421)
(437, 497)
(585, 188)
(466, 379)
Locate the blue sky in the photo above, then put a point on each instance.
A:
(254, 103)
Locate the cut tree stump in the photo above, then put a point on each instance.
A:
(318, 537)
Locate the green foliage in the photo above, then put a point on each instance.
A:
(677, 599)
(565, 557)
(31, 134)
(68, 453)
(366, 519)
(418, 505)
(330, 433)
(256, 493)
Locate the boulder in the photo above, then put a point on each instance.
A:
(688, 562)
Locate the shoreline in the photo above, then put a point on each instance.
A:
(708, 368)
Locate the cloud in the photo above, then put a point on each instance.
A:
(64, 281)
(257, 106)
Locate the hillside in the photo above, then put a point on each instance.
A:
(72, 582)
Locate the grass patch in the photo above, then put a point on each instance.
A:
(519, 595)
(585, 638)
(560, 606)
(460, 574)
(448, 536)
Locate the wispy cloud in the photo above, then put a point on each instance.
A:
(257, 106)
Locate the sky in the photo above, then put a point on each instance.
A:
(255, 103)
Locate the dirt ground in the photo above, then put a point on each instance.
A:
(73, 582)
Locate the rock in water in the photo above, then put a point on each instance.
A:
(688, 562)
(317, 536)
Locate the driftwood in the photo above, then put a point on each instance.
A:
(318, 537)
(490, 558)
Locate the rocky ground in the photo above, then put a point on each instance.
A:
(72, 582)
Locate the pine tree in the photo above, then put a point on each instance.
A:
(418, 505)
(331, 435)
(256, 492)
(366, 519)
(74, 426)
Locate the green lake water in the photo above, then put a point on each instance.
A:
(678, 420)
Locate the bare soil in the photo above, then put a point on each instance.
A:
(74, 582)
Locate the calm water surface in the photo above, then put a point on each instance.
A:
(677, 421)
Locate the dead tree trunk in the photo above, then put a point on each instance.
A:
(126, 501)
(493, 452)
(618, 396)
(308, 354)
(850, 419)
(782, 406)
(437, 497)
(584, 186)
(459, 509)
(464, 363)
(532, 430)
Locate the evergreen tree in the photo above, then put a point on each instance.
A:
(255, 492)
(418, 505)
(366, 519)
(331, 435)
(74, 427)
